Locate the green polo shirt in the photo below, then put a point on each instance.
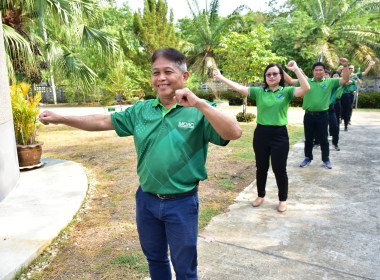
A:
(336, 94)
(272, 106)
(353, 87)
(318, 97)
(171, 145)
(339, 91)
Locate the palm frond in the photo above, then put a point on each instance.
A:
(17, 48)
(77, 70)
(107, 42)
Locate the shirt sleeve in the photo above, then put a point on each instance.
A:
(335, 82)
(253, 92)
(123, 122)
(210, 132)
(290, 93)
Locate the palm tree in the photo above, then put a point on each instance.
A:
(339, 24)
(210, 28)
(27, 24)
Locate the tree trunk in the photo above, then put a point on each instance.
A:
(245, 103)
(50, 67)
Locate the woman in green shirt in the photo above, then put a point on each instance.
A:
(271, 136)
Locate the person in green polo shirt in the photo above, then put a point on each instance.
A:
(171, 135)
(333, 121)
(316, 104)
(349, 92)
(271, 139)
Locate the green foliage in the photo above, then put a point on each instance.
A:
(207, 95)
(247, 117)
(153, 30)
(51, 30)
(245, 56)
(71, 95)
(296, 102)
(25, 113)
(290, 41)
(369, 100)
(232, 96)
(207, 29)
(328, 29)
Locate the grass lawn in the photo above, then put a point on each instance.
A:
(102, 242)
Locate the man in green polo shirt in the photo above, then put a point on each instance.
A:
(316, 105)
(347, 99)
(171, 135)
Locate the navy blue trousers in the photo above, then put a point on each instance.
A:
(173, 223)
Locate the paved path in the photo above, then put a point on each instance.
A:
(33, 214)
(330, 231)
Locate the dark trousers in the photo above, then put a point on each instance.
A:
(316, 122)
(271, 142)
(352, 98)
(347, 100)
(333, 126)
(168, 222)
(338, 110)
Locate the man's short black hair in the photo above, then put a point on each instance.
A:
(327, 72)
(319, 64)
(335, 72)
(173, 55)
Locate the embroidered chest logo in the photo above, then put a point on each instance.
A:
(281, 97)
(186, 124)
(324, 86)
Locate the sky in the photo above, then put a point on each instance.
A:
(226, 7)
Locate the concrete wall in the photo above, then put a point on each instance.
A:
(9, 170)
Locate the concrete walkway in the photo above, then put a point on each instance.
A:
(33, 214)
(330, 231)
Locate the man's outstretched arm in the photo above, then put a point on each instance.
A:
(89, 122)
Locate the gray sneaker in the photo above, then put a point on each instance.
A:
(327, 164)
(305, 162)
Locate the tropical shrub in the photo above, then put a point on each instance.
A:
(25, 113)
(369, 100)
(247, 117)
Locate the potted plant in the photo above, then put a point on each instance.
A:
(25, 118)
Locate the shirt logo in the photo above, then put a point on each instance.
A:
(280, 96)
(324, 86)
(186, 124)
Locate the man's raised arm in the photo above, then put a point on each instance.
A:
(345, 73)
(368, 68)
(289, 80)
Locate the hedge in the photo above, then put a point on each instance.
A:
(369, 100)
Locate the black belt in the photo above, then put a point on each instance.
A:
(315, 113)
(171, 196)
